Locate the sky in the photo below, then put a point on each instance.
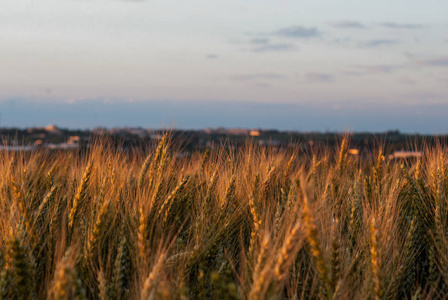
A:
(325, 65)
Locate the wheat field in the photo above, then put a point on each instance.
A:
(254, 223)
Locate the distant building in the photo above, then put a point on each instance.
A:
(38, 143)
(237, 131)
(74, 139)
(53, 129)
(254, 133)
(406, 154)
(353, 151)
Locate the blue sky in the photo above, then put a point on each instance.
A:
(363, 65)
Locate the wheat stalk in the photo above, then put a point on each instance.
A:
(80, 195)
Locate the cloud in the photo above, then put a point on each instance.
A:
(319, 77)
(263, 43)
(435, 62)
(211, 56)
(298, 32)
(380, 42)
(260, 41)
(394, 25)
(353, 73)
(441, 61)
(406, 80)
(348, 24)
(280, 47)
(379, 69)
(260, 76)
(263, 85)
(383, 69)
(363, 70)
(342, 41)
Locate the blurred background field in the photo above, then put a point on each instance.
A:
(254, 222)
